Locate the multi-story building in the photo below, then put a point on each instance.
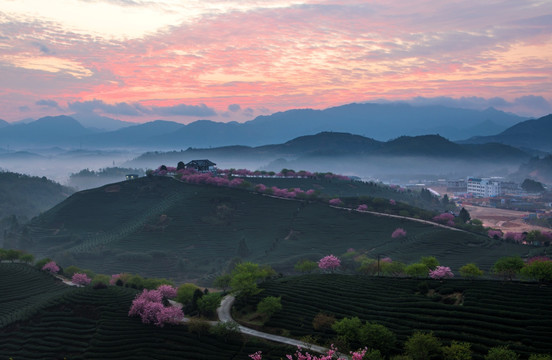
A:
(481, 187)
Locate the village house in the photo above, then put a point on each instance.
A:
(201, 165)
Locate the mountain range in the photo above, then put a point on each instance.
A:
(378, 121)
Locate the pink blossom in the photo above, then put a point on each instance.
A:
(149, 307)
(386, 260)
(441, 272)
(168, 315)
(399, 232)
(335, 202)
(329, 262)
(392, 202)
(167, 291)
(257, 356)
(80, 279)
(445, 218)
(512, 236)
(310, 192)
(114, 279)
(538, 259)
(51, 267)
(362, 207)
(260, 187)
(494, 233)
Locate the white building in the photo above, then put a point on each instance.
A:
(479, 187)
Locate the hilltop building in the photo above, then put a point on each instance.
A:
(201, 165)
(483, 187)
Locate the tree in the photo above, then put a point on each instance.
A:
(417, 270)
(464, 216)
(348, 329)
(532, 186)
(330, 262)
(398, 233)
(269, 306)
(51, 267)
(305, 266)
(225, 330)
(423, 346)
(430, 261)
(441, 272)
(80, 279)
(470, 271)
(12, 255)
(208, 304)
(508, 267)
(185, 293)
(27, 258)
(501, 353)
(222, 282)
(100, 280)
(457, 351)
(538, 269)
(376, 336)
(245, 277)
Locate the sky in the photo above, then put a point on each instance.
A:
(233, 60)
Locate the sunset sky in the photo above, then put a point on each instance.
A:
(223, 60)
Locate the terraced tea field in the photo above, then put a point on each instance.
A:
(161, 227)
(484, 313)
(84, 323)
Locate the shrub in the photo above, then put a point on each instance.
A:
(208, 303)
(470, 271)
(417, 270)
(269, 305)
(423, 346)
(305, 266)
(501, 353)
(457, 351)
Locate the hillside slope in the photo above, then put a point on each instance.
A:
(165, 228)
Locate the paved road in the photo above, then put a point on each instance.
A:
(224, 314)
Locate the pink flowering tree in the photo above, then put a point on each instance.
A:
(80, 279)
(362, 207)
(398, 233)
(331, 354)
(51, 267)
(329, 262)
(516, 237)
(495, 234)
(392, 202)
(148, 305)
(167, 291)
(445, 218)
(335, 202)
(441, 272)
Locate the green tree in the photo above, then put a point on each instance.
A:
(12, 255)
(40, 263)
(269, 306)
(208, 303)
(430, 261)
(376, 336)
(225, 330)
(223, 282)
(470, 271)
(540, 270)
(501, 353)
(27, 258)
(185, 293)
(245, 277)
(423, 346)
(464, 216)
(417, 270)
(508, 267)
(348, 329)
(100, 279)
(532, 186)
(305, 266)
(457, 351)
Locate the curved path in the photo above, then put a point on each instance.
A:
(224, 314)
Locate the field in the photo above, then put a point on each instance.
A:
(484, 313)
(161, 227)
(505, 220)
(84, 323)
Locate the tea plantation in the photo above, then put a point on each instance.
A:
(484, 313)
(160, 227)
(87, 323)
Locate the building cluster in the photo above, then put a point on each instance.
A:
(482, 187)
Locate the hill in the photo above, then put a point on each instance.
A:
(536, 168)
(163, 227)
(484, 313)
(529, 134)
(26, 196)
(87, 323)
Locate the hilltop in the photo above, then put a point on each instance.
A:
(158, 226)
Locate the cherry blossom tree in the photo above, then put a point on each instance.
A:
(167, 291)
(441, 272)
(329, 262)
(80, 279)
(398, 233)
(335, 202)
(445, 218)
(51, 267)
(362, 207)
(495, 234)
(148, 305)
(329, 355)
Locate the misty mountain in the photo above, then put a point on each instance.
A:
(3, 123)
(94, 121)
(151, 133)
(59, 130)
(530, 134)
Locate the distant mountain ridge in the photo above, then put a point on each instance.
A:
(377, 121)
(531, 134)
